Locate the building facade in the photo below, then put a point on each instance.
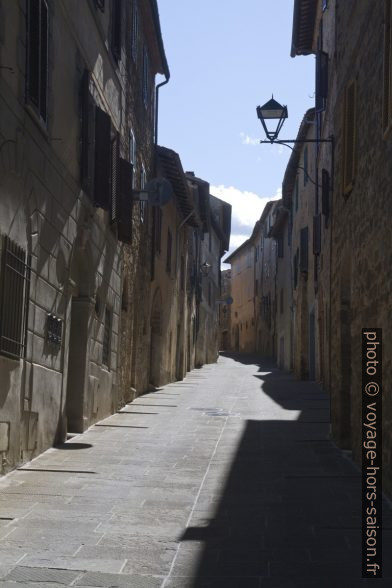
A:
(353, 104)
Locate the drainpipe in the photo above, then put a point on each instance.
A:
(167, 78)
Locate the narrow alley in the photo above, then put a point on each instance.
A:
(225, 479)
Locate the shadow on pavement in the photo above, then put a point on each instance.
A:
(289, 514)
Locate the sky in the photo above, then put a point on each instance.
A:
(225, 59)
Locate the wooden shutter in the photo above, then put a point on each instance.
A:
(115, 177)
(87, 136)
(102, 172)
(43, 60)
(33, 68)
(349, 137)
(124, 201)
(116, 29)
(317, 234)
(325, 189)
(280, 246)
(321, 79)
(303, 258)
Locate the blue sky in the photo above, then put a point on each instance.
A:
(225, 59)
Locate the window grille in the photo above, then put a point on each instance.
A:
(14, 298)
(53, 330)
(106, 338)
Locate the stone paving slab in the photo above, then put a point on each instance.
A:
(230, 481)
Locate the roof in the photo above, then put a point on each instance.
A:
(221, 220)
(292, 166)
(158, 32)
(171, 168)
(249, 241)
(304, 19)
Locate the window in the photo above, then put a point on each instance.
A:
(303, 258)
(157, 211)
(132, 155)
(321, 80)
(14, 293)
(146, 78)
(387, 97)
(114, 176)
(296, 194)
(349, 134)
(37, 56)
(168, 251)
(209, 293)
(106, 338)
(143, 205)
(306, 173)
(116, 29)
(135, 31)
(280, 246)
(295, 268)
(182, 273)
(281, 301)
(256, 287)
(325, 190)
(317, 234)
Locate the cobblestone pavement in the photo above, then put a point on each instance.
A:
(226, 479)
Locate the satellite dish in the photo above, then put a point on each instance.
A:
(160, 191)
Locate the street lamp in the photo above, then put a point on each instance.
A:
(205, 269)
(272, 110)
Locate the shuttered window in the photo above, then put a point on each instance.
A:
(325, 191)
(142, 204)
(168, 251)
(317, 234)
(87, 136)
(387, 94)
(115, 177)
(37, 56)
(306, 173)
(280, 244)
(146, 78)
(124, 201)
(103, 159)
(116, 29)
(303, 257)
(350, 115)
(321, 80)
(14, 298)
(295, 268)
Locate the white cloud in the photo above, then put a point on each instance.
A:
(247, 140)
(246, 206)
(246, 210)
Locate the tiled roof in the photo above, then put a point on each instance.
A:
(171, 168)
(304, 19)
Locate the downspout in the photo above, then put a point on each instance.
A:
(167, 78)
